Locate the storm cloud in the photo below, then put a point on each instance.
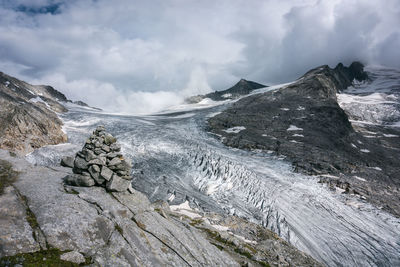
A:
(142, 56)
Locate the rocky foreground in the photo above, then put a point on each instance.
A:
(46, 221)
(304, 122)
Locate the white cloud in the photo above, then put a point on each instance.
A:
(160, 51)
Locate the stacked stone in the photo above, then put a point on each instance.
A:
(100, 163)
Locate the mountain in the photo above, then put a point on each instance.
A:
(28, 115)
(305, 123)
(243, 87)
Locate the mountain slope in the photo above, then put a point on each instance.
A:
(28, 116)
(305, 123)
(243, 87)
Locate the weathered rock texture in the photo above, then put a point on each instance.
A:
(28, 115)
(304, 123)
(243, 87)
(101, 163)
(43, 215)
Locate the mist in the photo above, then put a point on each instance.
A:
(143, 56)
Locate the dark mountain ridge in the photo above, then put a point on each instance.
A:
(304, 122)
(243, 87)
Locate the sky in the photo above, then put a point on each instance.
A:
(139, 57)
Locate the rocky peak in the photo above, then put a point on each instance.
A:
(101, 163)
(242, 87)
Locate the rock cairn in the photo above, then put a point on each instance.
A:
(100, 163)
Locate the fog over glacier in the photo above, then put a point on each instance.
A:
(142, 56)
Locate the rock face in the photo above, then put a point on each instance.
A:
(243, 87)
(41, 215)
(304, 123)
(100, 162)
(27, 115)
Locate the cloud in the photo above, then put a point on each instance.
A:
(161, 51)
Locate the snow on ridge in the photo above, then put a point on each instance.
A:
(235, 129)
(294, 128)
(38, 99)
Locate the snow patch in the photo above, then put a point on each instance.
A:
(213, 114)
(38, 100)
(185, 209)
(300, 108)
(294, 128)
(298, 135)
(226, 95)
(390, 135)
(171, 198)
(364, 150)
(359, 178)
(235, 129)
(376, 168)
(285, 109)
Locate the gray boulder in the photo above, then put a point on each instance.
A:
(80, 163)
(67, 162)
(79, 180)
(106, 173)
(117, 184)
(114, 161)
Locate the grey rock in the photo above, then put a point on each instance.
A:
(98, 151)
(73, 256)
(98, 161)
(130, 189)
(94, 171)
(106, 173)
(115, 147)
(126, 177)
(79, 180)
(15, 232)
(81, 163)
(117, 184)
(114, 162)
(67, 162)
(89, 155)
(105, 148)
(109, 139)
(122, 173)
(27, 125)
(113, 155)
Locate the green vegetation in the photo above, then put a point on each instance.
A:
(7, 175)
(44, 258)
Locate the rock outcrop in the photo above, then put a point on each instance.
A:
(100, 162)
(28, 115)
(48, 223)
(243, 87)
(304, 123)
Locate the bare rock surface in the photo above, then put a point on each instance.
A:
(119, 228)
(28, 115)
